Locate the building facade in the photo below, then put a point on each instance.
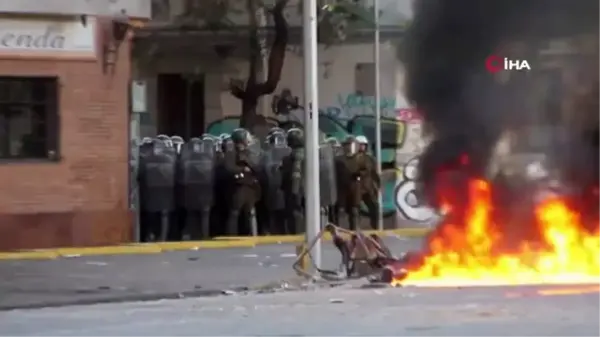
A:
(186, 73)
(64, 107)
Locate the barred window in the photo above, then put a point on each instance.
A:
(29, 126)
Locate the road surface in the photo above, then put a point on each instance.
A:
(92, 279)
(500, 311)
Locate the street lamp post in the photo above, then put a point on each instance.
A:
(311, 126)
(377, 66)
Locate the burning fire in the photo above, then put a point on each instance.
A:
(469, 255)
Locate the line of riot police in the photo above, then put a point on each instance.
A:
(236, 184)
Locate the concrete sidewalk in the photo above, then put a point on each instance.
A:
(115, 278)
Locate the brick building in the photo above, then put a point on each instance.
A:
(64, 123)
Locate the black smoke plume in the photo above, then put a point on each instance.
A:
(465, 110)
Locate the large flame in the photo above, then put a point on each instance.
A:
(469, 255)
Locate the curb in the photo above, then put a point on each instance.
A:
(300, 238)
(127, 249)
(126, 299)
(161, 247)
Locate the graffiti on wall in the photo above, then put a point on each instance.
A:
(410, 206)
(409, 203)
(347, 106)
(405, 126)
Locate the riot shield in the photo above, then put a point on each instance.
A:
(147, 218)
(134, 167)
(327, 175)
(157, 173)
(197, 167)
(144, 152)
(255, 154)
(210, 140)
(272, 161)
(227, 145)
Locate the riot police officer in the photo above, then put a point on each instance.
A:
(196, 181)
(242, 181)
(370, 181)
(226, 143)
(293, 181)
(348, 173)
(270, 211)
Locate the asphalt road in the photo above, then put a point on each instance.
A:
(93, 279)
(499, 311)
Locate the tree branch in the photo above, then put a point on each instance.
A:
(254, 47)
(277, 53)
(235, 88)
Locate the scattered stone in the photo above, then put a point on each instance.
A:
(96, 263)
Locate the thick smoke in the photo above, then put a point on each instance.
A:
(465, 109)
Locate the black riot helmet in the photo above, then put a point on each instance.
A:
(275, 130)
(295, 138)
(241, 136)
(333, 142)
(277, 138)
(146, 140)
(227, 144)
(207, 138)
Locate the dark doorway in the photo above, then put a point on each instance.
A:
(180, 105)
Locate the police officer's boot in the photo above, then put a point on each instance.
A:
(353, 218)
(231, 227)
(205, 223)
(373, 208)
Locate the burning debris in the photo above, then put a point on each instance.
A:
(362, 255)
(501, 227)
(475, 252)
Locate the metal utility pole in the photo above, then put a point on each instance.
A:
(377, 57)
(311, 127)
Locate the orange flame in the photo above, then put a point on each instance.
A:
(468, 255)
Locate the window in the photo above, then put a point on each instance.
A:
(28, 118)
(364, 79)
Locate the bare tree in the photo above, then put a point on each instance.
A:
(213, 14)
(253, 89)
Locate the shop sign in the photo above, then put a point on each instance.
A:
(33, 36)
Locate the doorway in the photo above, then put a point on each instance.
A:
(180, 105)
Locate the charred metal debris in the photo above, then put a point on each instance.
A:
(362, 256)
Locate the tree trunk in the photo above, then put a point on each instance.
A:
(253, 90)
